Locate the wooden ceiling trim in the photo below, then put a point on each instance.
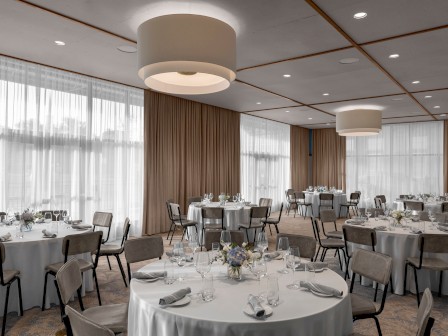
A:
(362, 98)
(272, 108)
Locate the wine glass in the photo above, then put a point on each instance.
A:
(193, 243)
(368, 214)
(432, 218)
(210, 196)
(226, 238)
(203, 264)
(179, 254)
(262, 242)
(293, 261)
(56, 213)
(48, 217)
(283, 249)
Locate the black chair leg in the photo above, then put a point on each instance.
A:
(108, 261)
(346, 269)
(121, 269)
(97, 287)
(5, 311)
(405, 276)
(378, 326)
(129, 273)
(81, 304)
(376, 292)
(45, 291)
(276, 228)
(339, 257)
(391, 285)
(317, 253)
(440, 283)
(19, 287)
(247, 235)
(416, 287)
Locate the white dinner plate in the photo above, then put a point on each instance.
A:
(182, 302)
(249, 311)
(147, 280)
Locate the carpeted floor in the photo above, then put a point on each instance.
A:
(398, 317)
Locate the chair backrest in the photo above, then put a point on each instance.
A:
(126, 227)
(265, 202)
(424, 312)
(212, 213)
(326, 197)
(378, 203)
(103, 219)
(175, 209)
(289, 194)
(373, 265)
(168, 208)
(413, 205)
(403, 197)
(316, 230)
(194, 199)
(359, 235)
(280, 212)
(143, 248)
(2, 252)
(444, 206)
(82, 326)
(441, 217)
(433, 243)
(260, 212)
(299, 195)
(88, 242)
(306, 244)
(328, 215)
(424, 216)
(376, 212)
(355, 196)
(214, 236)
(69, 280)
(382, 198)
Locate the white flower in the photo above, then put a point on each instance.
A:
(244, 244)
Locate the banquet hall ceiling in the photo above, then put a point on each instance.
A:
(305, 39)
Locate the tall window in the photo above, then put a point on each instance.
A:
(402, 159)
(70, 142)
(265, 159)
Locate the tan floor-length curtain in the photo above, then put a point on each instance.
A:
(190, 148)
(445, 156)
(329, 153)
(300, 142)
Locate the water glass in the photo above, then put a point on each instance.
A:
(203, 263)
(272, 294)
(310, 272)
(170, 277)
(226, 238)
(215, 251)
(283, 248)
(293, 261)
(54, 228)
(208, 290)
(262, 242)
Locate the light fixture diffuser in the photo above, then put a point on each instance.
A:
(358, 122)
(186, 54)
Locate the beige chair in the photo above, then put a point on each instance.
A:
(413, 205)
(267, 202)
(115, 250)
(193, 199)
(102, 220)
(73, 245)
(327, 244)
(428, 243)
(7, 278)
(210, 217)
(329, 216)
(273, 221)
(82, 326)
(306, 245)
(257, 214)
(326, 201)
(68, 282)
(302, 204)
(374, 266)
(214, 236)
(141, 249)
(291, 201)
(352, 203)
(177, 220)
(424, 319)
(171, 217)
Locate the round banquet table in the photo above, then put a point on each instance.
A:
(233, 215)
(299, 312)
(30, 255)
(434, 206)
(313, 198)
(401, 244)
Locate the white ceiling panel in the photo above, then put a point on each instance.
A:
(314, 76)
(318, 126)
(301, 116)
(423, 58)
(406, 120)
(385, 18)
(392, 107)
(432, 99)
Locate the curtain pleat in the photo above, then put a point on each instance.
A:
(190, 149)
(300, 142)
(329, 152)
(445, 156)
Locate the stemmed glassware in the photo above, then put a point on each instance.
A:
(368, 214)
(226, 238)
(293, 261)
(48, 217)
(262, 242)
(432, 218)
(210, 197)
(193, 243)
(283, 248)
(56, 213)
(179, 254)
(259, 268)
(203, 264)
(214, 252)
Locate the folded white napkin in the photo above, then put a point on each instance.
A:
(48, 234)
(443, 228)
(176, 296)
(315, 264)
(326, 290)
(148, 276)
(255, 303)
(5, 237)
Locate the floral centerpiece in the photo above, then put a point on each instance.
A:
(398, 215)
(223, 198)
(236, 257)
(28, 217)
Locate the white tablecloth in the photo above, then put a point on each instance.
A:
(299, 313)
(401, 244)
(30, 255)
(435, 207)
(313, 198)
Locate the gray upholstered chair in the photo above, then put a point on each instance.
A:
(374, 266)
(143, 248)
(428, 243)
(329, 216)
(82, 326)
(273, 221)
(177, 220)
(327, 244)
(326, 201)
(352, 203)
(306, 244)
(214, 236)
(7, 278)
(257, 214)
(290, 201)
(115, 250)
(267, 202)
(68, 282)
(210, 217)
(193, 199)
(302, 204)
(413, 205)
(424, 319)
(444, 206)
(73, 245)
(424, 216)
(375, 212)
(102, 220)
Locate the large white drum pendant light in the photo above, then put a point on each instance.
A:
(186, 54)
(358, 122)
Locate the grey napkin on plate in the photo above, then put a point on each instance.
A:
(381, 228)
(176, 296)
(322, 289)
(81, 226)
(315, 264)
(5, 237)
(48, 234)
(148, 276)
(74, 221)
(255, 303)
(272, 256)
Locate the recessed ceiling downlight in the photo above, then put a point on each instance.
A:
(426, 97)
(287, 111)
(59, 43)
(360, 15)
(416, 82)
(349, 60)
(127, 49)
(437, 107)
(443, 115)
(394, 56)
(286, 75)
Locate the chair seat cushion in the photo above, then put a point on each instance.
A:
(212, 226)
(110, 249)
(271, 221)
(186, 223)
(84, 265)
(335, 234)
(114, 317)
(183, 217)
(8, 275)
(430, 263)
(361, 305)
(332, 243)
(248, 226)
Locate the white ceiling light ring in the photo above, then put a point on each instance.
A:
(358, 122)
(188, 50)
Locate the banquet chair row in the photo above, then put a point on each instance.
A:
(291, 202)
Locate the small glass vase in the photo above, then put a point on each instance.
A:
(26, 226)
(235, 272)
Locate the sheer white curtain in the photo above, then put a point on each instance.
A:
(265, 159)
(70, 142)
(402, 159)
